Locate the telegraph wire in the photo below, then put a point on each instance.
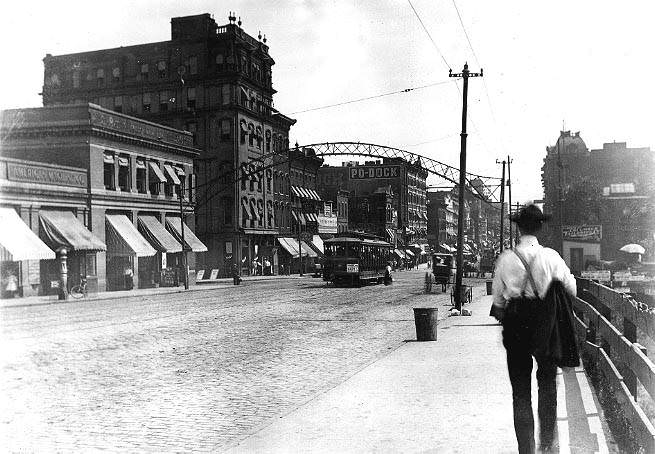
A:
(405, 90)
(465, 33)
(428, 33)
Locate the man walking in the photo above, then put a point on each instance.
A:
(521, 280)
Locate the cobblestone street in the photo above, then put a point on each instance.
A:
(192, 371)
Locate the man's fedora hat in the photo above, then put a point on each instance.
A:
(529, 215)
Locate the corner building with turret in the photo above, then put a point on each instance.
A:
(216, 82)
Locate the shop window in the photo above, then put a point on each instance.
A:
(226, 130)
(118, 104)
(145, 69)
(191, 98)
(124, 173)
(161, 69)
(141, 176)
(109, 164)
(146, 102)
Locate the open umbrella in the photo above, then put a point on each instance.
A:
(633, 248)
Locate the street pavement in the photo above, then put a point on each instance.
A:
(287, 365)
(191, 371)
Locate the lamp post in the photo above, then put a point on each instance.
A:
(185, 266)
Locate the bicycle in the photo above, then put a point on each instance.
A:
(80, 290)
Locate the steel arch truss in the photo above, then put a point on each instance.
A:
(482, 187)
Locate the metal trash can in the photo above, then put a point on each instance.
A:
(489, 285)
(426, 321)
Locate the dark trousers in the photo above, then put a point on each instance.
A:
(521, 319)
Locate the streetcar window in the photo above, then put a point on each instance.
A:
(353, 250)
(339, 250)
(328, 250)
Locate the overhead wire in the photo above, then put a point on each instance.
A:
(381, 95)
(428, 33)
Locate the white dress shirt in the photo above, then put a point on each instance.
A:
(545, 264)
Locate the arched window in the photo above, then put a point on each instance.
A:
(243, 127)
(251, 134)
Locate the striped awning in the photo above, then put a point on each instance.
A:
(311, 217)
(171, 174)
(63, 229)
(399, 253)
(123, 238)
(192, 242)
(159, 175)
(306, 248)
(294, 191)
(155, 232)
(18, 242)
(291, 246)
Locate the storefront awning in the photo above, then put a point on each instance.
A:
(157, 171)
(124, 239)
(18, 242)
(318, 242)
(399, 253)
(408, 252)
(291, 246)
(192, 242)
(311, 217)
(171, 175)
(63, 229)
(155, 232)
(389, 233)
(308, 249)
(299, 217)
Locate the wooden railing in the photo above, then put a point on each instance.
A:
(615, 354)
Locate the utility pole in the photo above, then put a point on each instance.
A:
(502, 204)
(185, 267)
(509, 186)
(465, 74)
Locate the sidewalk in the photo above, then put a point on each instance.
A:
(221, 283)
(452, 395)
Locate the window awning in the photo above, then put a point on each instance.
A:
(171, 174)
(63, 229)
(318, 242)
(424, 216)
(18, 242)
(299, 218)
(155, 232)
(311, 217)
(191, 240)
(140, 164)
(157, 171)
(390, 233)
(291, 246)
(295, 192)
(408, 252)
(124, 239)
(315, 195)
(123, 161)
(253, 211)
(308, 249)
(108, 158)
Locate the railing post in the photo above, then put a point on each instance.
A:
(630, 333)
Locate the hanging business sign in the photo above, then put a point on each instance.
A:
(371, 172)
(582, 232)
(327, 224)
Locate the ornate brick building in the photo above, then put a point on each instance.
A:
(216, 82)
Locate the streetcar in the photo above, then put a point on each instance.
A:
(355, 259)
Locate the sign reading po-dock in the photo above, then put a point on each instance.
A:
(368, 172)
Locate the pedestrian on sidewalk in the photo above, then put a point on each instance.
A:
(521, 280)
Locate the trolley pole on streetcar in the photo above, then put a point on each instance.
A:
(509, 190)
(465, 74)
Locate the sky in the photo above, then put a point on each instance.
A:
(582, 66)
